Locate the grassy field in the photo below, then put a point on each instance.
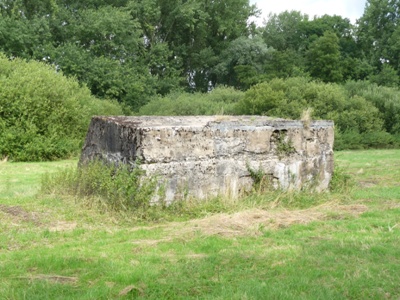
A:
(275, 246)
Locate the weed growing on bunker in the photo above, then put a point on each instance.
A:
(261, 181)
(306, 117)
(283, 144)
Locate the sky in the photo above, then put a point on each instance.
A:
(351, 9)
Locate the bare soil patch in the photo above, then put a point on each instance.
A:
(53, 278)
(19, 214)
(368, 183)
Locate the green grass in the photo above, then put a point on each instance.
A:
(273, 246)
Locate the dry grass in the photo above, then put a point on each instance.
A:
(250, 222)
(18, 214)
(306, 117)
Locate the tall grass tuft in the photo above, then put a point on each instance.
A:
(341, 182)
(129, 193)
(110, 187)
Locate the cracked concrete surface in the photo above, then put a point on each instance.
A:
(205, 156)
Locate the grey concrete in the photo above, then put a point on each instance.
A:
(209, 155)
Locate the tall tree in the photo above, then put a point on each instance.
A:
(196, 32)
(242, 63)
(284, 31)
(323, 58)
(378, 32)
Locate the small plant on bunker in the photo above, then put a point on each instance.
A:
(260, 178)
(284, 145)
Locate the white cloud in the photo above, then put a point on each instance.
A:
(351, 9)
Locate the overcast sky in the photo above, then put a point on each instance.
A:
(352, 9)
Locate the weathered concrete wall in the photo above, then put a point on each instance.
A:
(210, 155)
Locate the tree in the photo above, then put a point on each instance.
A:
(196, 32)
(323, 58)
(284, 31)
(28, 9)
(378, 32)
(242, 62)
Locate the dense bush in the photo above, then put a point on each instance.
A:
(221, 100)
(359, 122)
(43, 115)
(386, 99)
(353, 140)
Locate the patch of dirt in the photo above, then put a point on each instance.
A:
(53, 278)
(250, 222)
(63, 226)
(368, 183)
(20, 214)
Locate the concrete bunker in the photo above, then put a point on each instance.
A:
(205, 156)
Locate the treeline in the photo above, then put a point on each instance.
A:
(207, 57)
(130, 50)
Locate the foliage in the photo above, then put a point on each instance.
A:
(386, 77)
(354, 140)
(287, 98)
(378, 30)
(323, 58)
(107, 187)
(221, 100)
(242, 62)
(283, 31)
(386, 99)
(44, 115)
(360, 114)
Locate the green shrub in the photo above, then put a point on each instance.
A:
(348, 140)
(288, 98)
(386, 99)
(359, 111)
(378, 139)
(43, 114)
(353, 140)
(109, 187)
(357, 115)
(219, 101)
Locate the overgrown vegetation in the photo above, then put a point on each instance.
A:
(43, 114)
(221, 100)
(110, 187)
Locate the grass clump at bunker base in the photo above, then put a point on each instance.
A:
(103, 186)
(124, 189)
(266, 246)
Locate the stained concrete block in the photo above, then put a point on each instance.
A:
(209, 155)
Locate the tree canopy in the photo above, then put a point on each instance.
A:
(144, 53)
